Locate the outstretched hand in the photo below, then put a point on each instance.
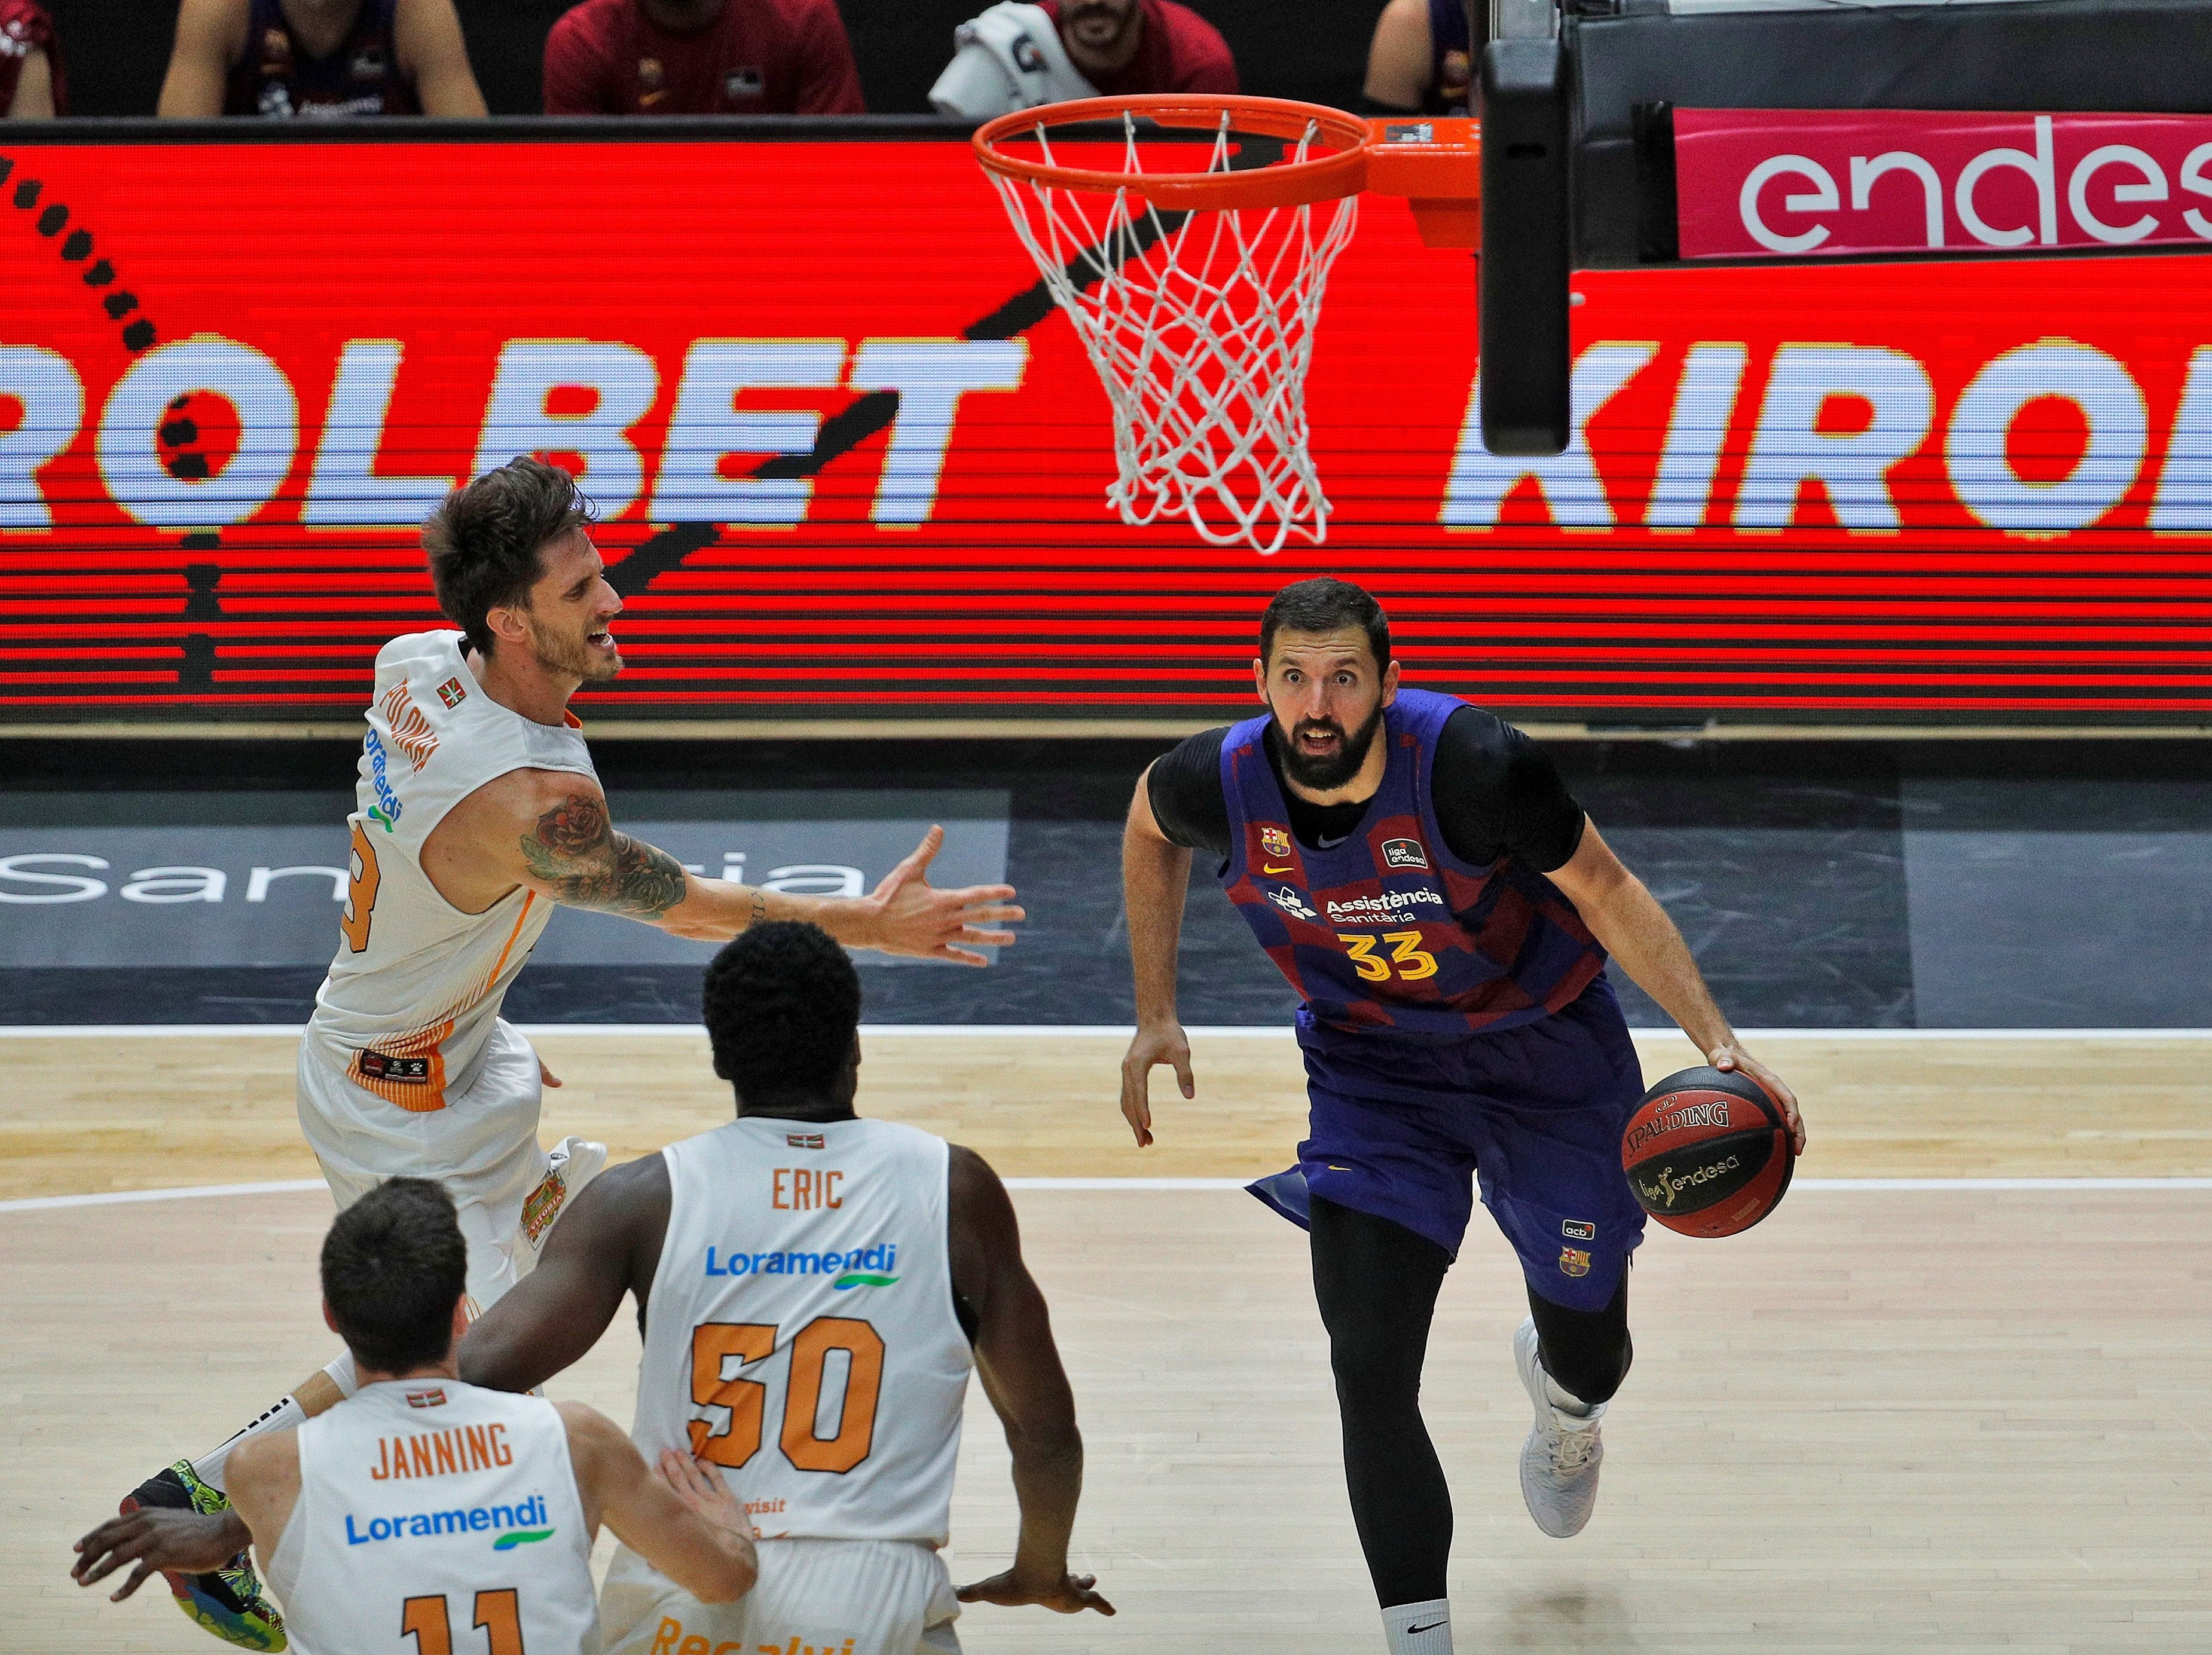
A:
(158, 1538)
(1063, 1594)
(1735, 1058)
(912, 917)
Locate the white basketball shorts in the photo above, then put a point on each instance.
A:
(837, 1597)
(482, 1146)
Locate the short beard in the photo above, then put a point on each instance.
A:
(1122, 24)
(573, 658)
(1326, 775)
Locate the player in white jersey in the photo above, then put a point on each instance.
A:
(479, 811)
(420, 1504)
(813, 1288)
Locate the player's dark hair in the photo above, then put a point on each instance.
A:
(484, 540)
(783, 1003)
(1323, 605)
(394, 1265)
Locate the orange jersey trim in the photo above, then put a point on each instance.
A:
(428, 1095)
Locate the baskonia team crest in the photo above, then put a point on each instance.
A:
(1275, 841)
(543, 1205)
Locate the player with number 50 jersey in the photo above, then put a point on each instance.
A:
(814, 1288)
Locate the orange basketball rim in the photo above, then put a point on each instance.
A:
(1189, 240)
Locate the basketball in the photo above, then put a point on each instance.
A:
(1707, 1154)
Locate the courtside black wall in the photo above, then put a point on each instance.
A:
(1317, 50)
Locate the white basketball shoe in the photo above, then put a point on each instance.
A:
(569, 1165)
(1559, 1462)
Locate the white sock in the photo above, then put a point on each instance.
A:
(1419, 1628)
(208, 1468)
(1565, 1400)
(344, 1375)
(283, 1416)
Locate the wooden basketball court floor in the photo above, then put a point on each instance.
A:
(1936, 1403)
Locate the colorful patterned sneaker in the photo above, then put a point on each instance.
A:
(1559, 1462)
(569, 1165)
(229, 1603)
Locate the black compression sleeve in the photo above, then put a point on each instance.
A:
(1498, 794)
(1184, 788)
(1376, 1282)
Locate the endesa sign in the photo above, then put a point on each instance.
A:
(850, 461)
(1754, 183)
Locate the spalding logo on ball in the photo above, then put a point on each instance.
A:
(1709, 1152)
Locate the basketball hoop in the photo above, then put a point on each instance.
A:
(1196, 289)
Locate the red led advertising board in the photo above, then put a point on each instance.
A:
(850, 465)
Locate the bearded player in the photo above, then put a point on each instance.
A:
(1418, 871)
(479, 812)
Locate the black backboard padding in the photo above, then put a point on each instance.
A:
(1521, 281)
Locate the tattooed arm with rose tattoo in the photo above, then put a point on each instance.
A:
(550, 830)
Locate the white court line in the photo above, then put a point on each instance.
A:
(1062, 1030)
(118, 1197)
(1915, 1185)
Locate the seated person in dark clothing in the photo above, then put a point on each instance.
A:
(701, 58)
(1419, 61)
(292, 58)
(30, 63)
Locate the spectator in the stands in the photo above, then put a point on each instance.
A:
(292, 58)
(701, 58)
(1419, 61)
(30, 63)
(1016, 56)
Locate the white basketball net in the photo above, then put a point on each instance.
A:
(1200, 324)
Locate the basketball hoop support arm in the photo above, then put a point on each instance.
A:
(1436, 164)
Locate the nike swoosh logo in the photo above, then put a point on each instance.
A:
(1330, 845)
(647, 99)
(1431, 1626)
(1265, 868)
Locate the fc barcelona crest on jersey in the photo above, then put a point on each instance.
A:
(1275, 841)
(1574, 1261)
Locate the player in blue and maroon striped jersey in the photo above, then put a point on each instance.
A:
(1418, 871)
